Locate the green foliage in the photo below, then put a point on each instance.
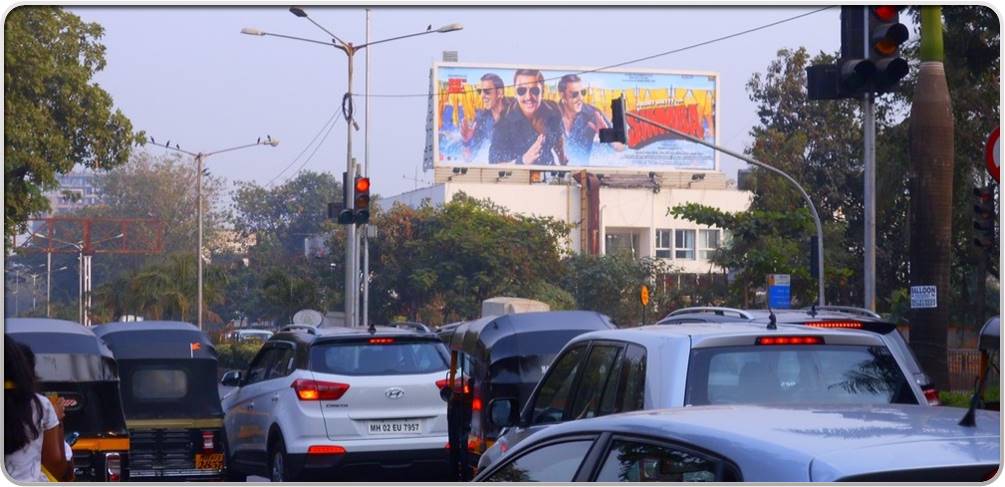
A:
(610, 284)
(236, 355)
(54, 116)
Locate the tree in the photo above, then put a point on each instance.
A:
(55, 117)
(610, 284)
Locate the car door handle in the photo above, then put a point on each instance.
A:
(275, 397)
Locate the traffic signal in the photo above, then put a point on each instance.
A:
(886, 34)
(361, 201)
(345, 214)
(984, 218)
(619, 131)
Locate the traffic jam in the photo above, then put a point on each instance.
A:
(706, 394)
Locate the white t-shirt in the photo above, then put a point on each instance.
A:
(25, 465)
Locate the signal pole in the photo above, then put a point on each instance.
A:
(869, 192)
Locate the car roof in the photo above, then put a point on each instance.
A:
(719, 329)
(826, 437)
(782, 315)
(306, 333)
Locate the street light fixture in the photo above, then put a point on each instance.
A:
(349, 49)
(199, 158)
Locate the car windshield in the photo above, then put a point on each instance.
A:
(832, 374)
(365, 358)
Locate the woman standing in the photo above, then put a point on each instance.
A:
(33, 435)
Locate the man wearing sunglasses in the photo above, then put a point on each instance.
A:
(533, 133)
(580, 121)
(476, 130)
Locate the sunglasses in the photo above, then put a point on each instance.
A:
(485, 91)
(577, 94)
(535, 91)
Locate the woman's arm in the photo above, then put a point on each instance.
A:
(54, 456)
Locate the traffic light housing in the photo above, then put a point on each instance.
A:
(345, 214)
(984, 218)
(619, 131)
(361, 200)
(886, 34)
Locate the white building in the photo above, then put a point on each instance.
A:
(629, 209)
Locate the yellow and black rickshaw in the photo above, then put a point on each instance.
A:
(72, 363)
(172, 405)
(500, 356)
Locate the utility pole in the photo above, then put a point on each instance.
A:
(932, 159)
(869, 193)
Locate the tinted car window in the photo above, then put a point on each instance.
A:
(283, 364)
(593, 380)
(631, 461)
(553, 463)
(553, 396)
(634, 379)
(261, 364)
(364, 358)
(839, 374)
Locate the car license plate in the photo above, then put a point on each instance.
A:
(396, 427)
(209, 461)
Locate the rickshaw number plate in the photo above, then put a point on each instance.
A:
(406, 426)
(209, 461)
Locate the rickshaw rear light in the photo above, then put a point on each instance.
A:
(315, 390)
(476, 404)
(207, 440)
(113, 467)
(932, 396)
(475, 444)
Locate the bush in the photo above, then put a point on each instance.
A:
(237, 355)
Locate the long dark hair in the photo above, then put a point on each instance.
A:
(20, 424)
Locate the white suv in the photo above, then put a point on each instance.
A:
(340, 404)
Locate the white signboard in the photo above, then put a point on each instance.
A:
(923, 297)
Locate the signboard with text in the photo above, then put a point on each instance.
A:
(779, 291)
(512, 115)
(923, 297)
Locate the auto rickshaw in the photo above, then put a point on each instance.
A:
(172, 405)
(500, 356)
(73, 364)
(990, 344)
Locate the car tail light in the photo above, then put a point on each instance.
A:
(325, 450)
(113, 467)
(207, 440)
(440, 384)
(381, 341)
(790, 340)
(476, 444)
(315, 390)
(835, 324)
(932, 395)
(990, 475)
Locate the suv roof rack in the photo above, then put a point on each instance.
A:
(721, 311)
(313, 330)
(420, 327)
(847, 309)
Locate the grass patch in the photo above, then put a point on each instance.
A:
(962, 399)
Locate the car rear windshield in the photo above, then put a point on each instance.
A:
(360, 357)
(830, 374)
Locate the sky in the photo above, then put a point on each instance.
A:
(187, 74)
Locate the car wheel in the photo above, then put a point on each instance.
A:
(278, 467)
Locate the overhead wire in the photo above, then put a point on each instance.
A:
(631, 61)
(327, 125)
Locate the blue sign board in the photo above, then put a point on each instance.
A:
(779, 296)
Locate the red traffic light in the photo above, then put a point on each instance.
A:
(362, 185)
(886, 13)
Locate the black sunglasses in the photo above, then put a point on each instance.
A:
(485, 90)
(533, 91)
(576, 94)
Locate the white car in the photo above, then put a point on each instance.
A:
(340, 404)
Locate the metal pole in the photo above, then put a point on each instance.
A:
(87, 290)
(869, 195)
(351, 292)
(809, 202)
(33, 288)
(80, 286)
(48, 284)
(198, 254)
(366, 173)
(17, 291)
(869, 267)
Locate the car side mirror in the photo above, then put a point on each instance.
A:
(503, 412)
(231, 379)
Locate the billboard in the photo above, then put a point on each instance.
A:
(488, 115)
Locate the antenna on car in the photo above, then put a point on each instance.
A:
(772, 320)
(813, 310)
(969, 419)
(372, 329)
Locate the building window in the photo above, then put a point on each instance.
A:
(622, 242)
(664, 244)
(684, 243)
(708, 242)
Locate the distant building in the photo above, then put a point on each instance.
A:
(76, 190)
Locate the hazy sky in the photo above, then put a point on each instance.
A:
(187, 73)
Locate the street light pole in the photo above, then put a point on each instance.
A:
(750, 160)
(199, 158)
(352, 291)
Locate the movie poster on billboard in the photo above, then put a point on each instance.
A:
(490, 115)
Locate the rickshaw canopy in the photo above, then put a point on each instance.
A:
(64, 351)
(156, 339)
(990, 335)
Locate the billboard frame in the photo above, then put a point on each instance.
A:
(436, 118)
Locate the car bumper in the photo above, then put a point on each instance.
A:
(398, 465)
